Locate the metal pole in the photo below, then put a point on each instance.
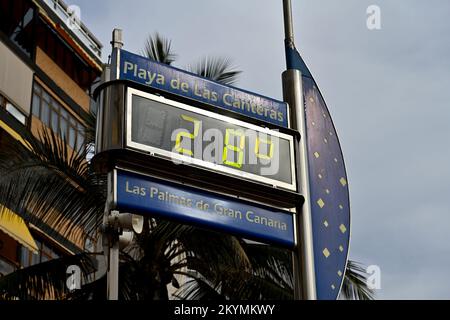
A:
(117, 38)
(304, 273)
(113, 271)
(117, 44)
(288, 25)
(111, 247)
(112, 237)
(112, 275)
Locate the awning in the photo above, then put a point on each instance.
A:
(13, 134)
(15, 227)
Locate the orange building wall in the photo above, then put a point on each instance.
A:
(62, 79)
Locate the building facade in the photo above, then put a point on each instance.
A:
(49, 62)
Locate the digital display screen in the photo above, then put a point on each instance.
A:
(206, 139)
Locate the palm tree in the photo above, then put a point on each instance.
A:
(46, 184)
(218, 69)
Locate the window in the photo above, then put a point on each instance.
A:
(16, 22)
(16, 113)
(6, 267)
(55, 116)
(28, 258)
(12, 110)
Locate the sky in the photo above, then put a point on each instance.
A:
(388, 92)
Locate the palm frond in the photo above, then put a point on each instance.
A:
(235, 269)
(215, 248)
(47, 280)
(159, 49)
(94, 290)
(90, 127)
(47, 183)
(273, 264)
(231, 284)
(355, 285)
(217, 69)
(198, 289)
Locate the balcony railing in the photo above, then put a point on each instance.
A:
(78, 28)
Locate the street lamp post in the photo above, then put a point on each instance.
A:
(303, 256)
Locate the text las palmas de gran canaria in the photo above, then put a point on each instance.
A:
(150, 78)
(165, 196)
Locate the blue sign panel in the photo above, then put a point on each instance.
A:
(163, 77)
(330, 205)
(144, 195)
(329, 194)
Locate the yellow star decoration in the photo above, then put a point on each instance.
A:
(325, 223)
(339, 273)
(326, 253)
(320, 203)
(316, 154)
(341, 248)
(343, 182)
(342, 228)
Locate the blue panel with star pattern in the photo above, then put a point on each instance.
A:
(329, 194)
(330, 205)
